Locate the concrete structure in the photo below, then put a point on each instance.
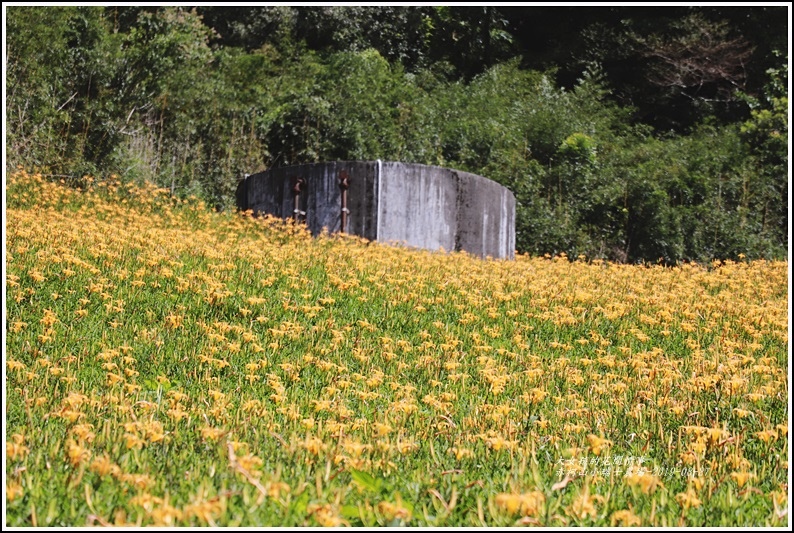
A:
(416, 205)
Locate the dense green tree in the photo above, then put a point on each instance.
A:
(766, 186)
(634, 134)
(40, 91)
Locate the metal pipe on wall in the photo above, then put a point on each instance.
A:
(419, 205)
(297, 188)
(344, 184)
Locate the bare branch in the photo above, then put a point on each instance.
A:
(702, 55)
(66, 102)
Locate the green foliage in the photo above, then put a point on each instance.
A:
(194, 99)
(579, 147)
(40, 91)
(765, 135)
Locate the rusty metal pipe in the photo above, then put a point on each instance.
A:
(297, 188)
(344, 185)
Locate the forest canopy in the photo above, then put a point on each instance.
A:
(655, 134)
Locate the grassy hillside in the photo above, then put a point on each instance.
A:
(169, 365)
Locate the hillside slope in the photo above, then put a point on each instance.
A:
(169, 365)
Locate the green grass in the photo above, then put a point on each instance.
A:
(166, 365)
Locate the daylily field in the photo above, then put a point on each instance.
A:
(169, 365)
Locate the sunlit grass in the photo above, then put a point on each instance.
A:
(167, 365)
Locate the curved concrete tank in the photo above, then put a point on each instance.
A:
(415, 205)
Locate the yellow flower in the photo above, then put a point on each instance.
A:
(741, 478)
(767, 435)
(382, 429)
(102, 465)
(49, 318)
(688, 457)
(154, 431)
(625, 518)
(688, 499)
(326, 515)
(15, 365)
(715, 435)
(528, 503)
(646, 481)
(699, 446)
(392, 511)
(313, 445)
(536, 395)
(132, 441)
(112, 379)
(211, 433)
(16, 450)
(597, 444)
(406, 446)
(13, 491)
(205, 511)
(83, 432)
(173, 321)
(584, 506)
(509, 502)
(275, 488)
(251, 464)
(166, 515)
(76, 453)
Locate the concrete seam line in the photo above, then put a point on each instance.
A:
(378, 208)
(458, 209)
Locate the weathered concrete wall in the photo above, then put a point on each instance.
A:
(486, 217)
(417, 205)
(362, 199)
(271, 192)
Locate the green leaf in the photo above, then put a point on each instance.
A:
(349, 511)
(366, 481)
(405, 503)
(300, 505)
